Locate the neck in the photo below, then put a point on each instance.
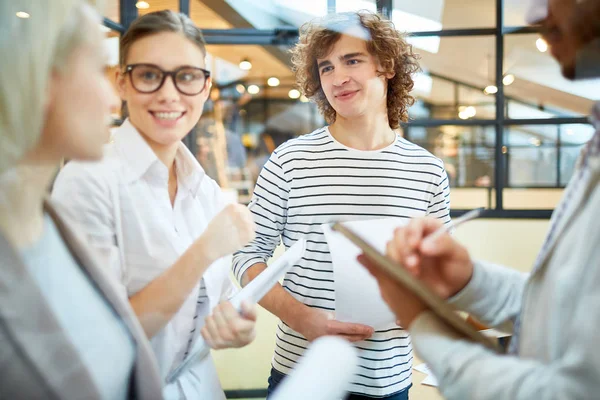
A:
(368, 132)
(166, 154)
(22, 191)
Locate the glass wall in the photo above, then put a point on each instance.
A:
(497, 157)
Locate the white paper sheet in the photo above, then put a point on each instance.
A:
(424, 368)
(252, 293)
(324, 373)
(357, 296)
(430, 380)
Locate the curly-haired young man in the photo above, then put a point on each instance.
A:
(358, 69)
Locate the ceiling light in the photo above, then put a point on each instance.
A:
(491, 89)
(246, 65)
(508, 79)
(241, 89)
(304, 99)
(253, 89)
(294, 94)
(23, 14)
(535, 141)
(466, 112)
(471, 111)
(541, 45)
(272, 81)
(142, 5)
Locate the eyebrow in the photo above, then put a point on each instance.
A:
(342, 58)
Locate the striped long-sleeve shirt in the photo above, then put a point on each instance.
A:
(313, 179)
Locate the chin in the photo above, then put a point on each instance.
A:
(568, 71)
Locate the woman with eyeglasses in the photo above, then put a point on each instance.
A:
(157, 219)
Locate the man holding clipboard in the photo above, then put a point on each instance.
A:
(555, 311)
(358, 69)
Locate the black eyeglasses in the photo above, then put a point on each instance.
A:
(149, 78)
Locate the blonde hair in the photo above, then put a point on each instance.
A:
(32, 49)
(389, 46)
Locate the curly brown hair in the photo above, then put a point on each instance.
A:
(389, 46)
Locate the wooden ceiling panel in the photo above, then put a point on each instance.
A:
(264, 65)
(111, 10)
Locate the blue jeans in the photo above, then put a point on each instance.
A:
(276, 378)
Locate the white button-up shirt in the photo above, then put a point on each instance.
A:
(124, 206)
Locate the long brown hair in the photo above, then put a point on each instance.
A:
(157, 22)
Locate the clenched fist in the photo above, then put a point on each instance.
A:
(228, 231)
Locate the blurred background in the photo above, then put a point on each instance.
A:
(491, 101)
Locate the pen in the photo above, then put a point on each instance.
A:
(252, 203)
(457, 222)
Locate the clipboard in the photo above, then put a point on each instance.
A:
(253, 292)
(445, 311)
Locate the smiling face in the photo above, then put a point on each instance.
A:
(165, 116)
(350, 79)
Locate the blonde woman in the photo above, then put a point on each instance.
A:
(65, 331)
(150, 209)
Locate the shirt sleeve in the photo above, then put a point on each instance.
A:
(468, 371)
(86, 198)
(568, 369)
(269, 208)
(493, 295)
(439, 206)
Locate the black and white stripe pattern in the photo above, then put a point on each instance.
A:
(200, 304)
(313, 180)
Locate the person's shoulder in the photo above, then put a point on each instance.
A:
(315, 138)
(404, 147)
(90, 173)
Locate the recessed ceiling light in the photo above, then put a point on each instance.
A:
(541, 45)
(491, 89)
(246, 65)
(142, 5)
(294, 94)
(23, 14)
(273, 81)
(253, 89)
(508, 79)
(241, 89)
(304, 99)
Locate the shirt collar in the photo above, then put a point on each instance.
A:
(139, 158)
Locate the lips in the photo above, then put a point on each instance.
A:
(346, 94)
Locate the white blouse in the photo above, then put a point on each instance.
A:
(123, 204)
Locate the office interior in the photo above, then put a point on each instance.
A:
(491, 103)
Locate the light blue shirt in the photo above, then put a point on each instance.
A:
(105, 344)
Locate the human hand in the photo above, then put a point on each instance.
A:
(228, 231)
(438, 261)
(315, 323)
(226, 328)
